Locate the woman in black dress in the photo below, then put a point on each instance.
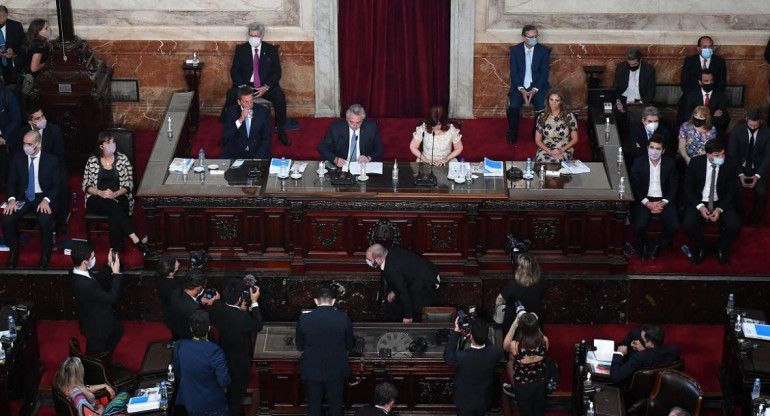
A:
(35, 54)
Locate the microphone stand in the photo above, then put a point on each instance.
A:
(426, 180)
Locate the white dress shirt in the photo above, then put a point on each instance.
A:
(632, 92)
(82, 273)
(655, 189)
(707, 185)
(706, 61)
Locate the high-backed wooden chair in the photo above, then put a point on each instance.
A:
(439, 314)
(96, 370)
(62, 404)
(643, 382)
(674, 388)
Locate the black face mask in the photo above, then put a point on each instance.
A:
(708, 87)
(633, 68)
(698, 122)
(752, 131)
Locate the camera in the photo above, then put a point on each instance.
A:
(249, 281)
(209, 293)
(464, 321)
(518, 247)
(198, 259)
(520, 309)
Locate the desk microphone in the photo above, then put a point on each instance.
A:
(426, 180)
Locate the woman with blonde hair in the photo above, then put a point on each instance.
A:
(694, 133)
(69, 381)
(526, 288)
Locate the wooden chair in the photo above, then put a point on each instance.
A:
(124, 142)
(674, 388)
(62, 404)
(96, 370)
(439, 314)
(643, 382)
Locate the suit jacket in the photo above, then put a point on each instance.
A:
(638, 141)
(182, 307)
(237, 140)
(336, 141)
(235, 329)
(738, 148)
(717, 101)
(409, 275)
(691, 71)
(243, 65)
(372, 411)
(640, 178)
(541, 57)
(622, 369)
(53, 141)
(165, 288)
(14, 36)
(201, 369)
(10, 113)
(95, 298)
(48, 172)
(324, 336)
(475, 373)
(726, 185)
(647, 82)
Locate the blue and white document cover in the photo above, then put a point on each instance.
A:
(275, 165)
(493, 167)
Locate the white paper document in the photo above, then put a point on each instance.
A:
(371, 168)
(179, 164)
(604, 349)
(275, 165)
(575, 167)
(493, 167)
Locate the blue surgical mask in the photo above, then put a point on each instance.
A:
(92, 263)
(532, 41)
(718, 161)
(707, 53)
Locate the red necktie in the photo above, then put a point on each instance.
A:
(706, 100)
(257, 82)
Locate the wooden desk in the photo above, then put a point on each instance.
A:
(20, 375)
(742, 367)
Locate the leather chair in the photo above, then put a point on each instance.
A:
(124, 143)
(643, 382)
(439, 314)
(62, 404)
(674, 388)
(96, 370)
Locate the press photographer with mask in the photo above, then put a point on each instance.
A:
(188, 299)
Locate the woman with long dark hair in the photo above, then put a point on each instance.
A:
(556, 131)
(441, 140)
(527, 346)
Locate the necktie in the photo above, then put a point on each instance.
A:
(257, 82)
(30, 193)
(248, 126)
(706, 100)
(649, 135)
(528, 69)
(2, 47)
(750, 155)
(353, 142)
(705, 64)
(712, 187)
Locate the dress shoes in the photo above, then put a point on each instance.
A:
(654, 251)
(697, 256)
(44, 260)
(13, 258)
(511, 137)
(284, 139)
(642, 253)
(723, 257)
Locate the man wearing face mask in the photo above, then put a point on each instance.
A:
(256, 64)
(188, 299)
(34, 183)
(749, 145)
(706, 95)
(704, 60)
(710, 189)
(411, 278)
(655, 181)
(166, 284)
(96, 294)
(246, 129)
(640, 134)
(634, 83)
(530, 62)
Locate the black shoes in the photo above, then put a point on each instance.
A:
(723, 257)
(44, 260)
(284, 139)
(511, 137)
(697, 256)
(653, 252)
(13, 259)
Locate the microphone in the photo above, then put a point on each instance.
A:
(426, 180)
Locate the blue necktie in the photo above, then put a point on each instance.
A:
(353, 142)
(2, 47)
(528, 69)
(31, 181)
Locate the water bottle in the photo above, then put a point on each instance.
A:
(284, 171)
(730, 304)
(11, 327)
(588, 382)
(195, 60)
(461, 173)
(529, 166)
(755, 391)
(738, 323)
(395, 170)
(607, 124)
(201, 158)
(686, 251)
(163, 396)
(468, 172)
(761, 409)
(170, 129)
(590, 411)
(170, 375)
(2, 354)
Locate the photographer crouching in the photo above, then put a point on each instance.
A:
(475, 380)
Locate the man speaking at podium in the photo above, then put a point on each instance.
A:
(354, 139)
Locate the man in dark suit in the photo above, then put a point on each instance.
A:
(324, 336)
(641, 133)
(749, 146)
(530, 63)
(12, 36)
(642, 348)
(634, 82)
(96, 295)
(246, 129)
(10, 121)
(256, 64)
(711, 185)
(166, 284)
(185, 301)
(475, 377)
(706, 95)
(704, 60)
(654, 181)
(354, 139)
(236, 320)
(34, 183)
(413, 280)
(385, 395)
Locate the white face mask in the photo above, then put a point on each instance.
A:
(255, 41)
(110, 149)
(41, 124)
(30, 150)
(654, 154)
(92, 263)
(371, 264)
(651, 126)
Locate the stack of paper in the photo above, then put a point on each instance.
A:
(601, 359)
(371, 168)
(149, 400)
(179, 164)
(575, 166)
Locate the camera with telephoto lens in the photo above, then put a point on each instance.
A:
(464, 319)
(198, 259)
(249, 281)
(520, 309)
(518, 247)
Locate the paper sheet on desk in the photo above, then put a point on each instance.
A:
(178, 164)
(604, 349)
(275, 165)
(575, 167)
(371, 167)
(493, 167)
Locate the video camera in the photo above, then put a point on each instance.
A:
(520, 309)
(249, 282)
(198, 259)
(464, 319)
(518, 247)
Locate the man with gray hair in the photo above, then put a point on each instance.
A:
(640, 134)
(354, 139)
(256, 64)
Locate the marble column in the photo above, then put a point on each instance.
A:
(461, 40)
(327, 71)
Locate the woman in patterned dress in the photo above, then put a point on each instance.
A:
(556, 130)
(694, 133)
